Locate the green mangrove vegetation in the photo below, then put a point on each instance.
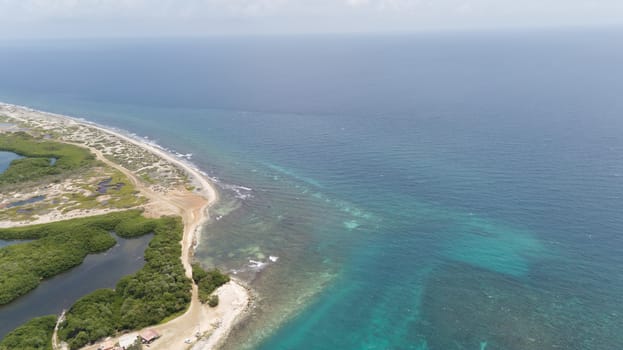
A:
(35, 334)
(160, 289)
(157, 291)
(38, 154)
(59, 246)
(208, 281)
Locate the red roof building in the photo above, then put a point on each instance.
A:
(149, 335)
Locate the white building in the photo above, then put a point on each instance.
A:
(127, 339)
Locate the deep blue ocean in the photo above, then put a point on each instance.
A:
(430, 191)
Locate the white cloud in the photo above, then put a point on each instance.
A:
(357, 3)
(161, 17)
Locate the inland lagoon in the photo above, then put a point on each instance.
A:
(101, 270)
(6, 158)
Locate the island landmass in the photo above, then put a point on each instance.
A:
(76, 182)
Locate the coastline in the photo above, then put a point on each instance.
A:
(214, 324)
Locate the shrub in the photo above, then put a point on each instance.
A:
(137, 345)
(198, 272)
(213, 301)
(208, 281)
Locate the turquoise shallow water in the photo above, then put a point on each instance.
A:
(414, 192)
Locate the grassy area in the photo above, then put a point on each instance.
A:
(74, 167)
(148, 179)
(37, 154)
(57, 247)
(121, 194)
(124, 196)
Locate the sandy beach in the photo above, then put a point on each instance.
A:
(212, 324)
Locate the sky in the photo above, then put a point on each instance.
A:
(139, 18)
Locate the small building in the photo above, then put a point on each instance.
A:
(125, 341)
(107, 345)
(148, 336)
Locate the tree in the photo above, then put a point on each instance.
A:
(213, 301)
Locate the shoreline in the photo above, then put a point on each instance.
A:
(193, 206)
